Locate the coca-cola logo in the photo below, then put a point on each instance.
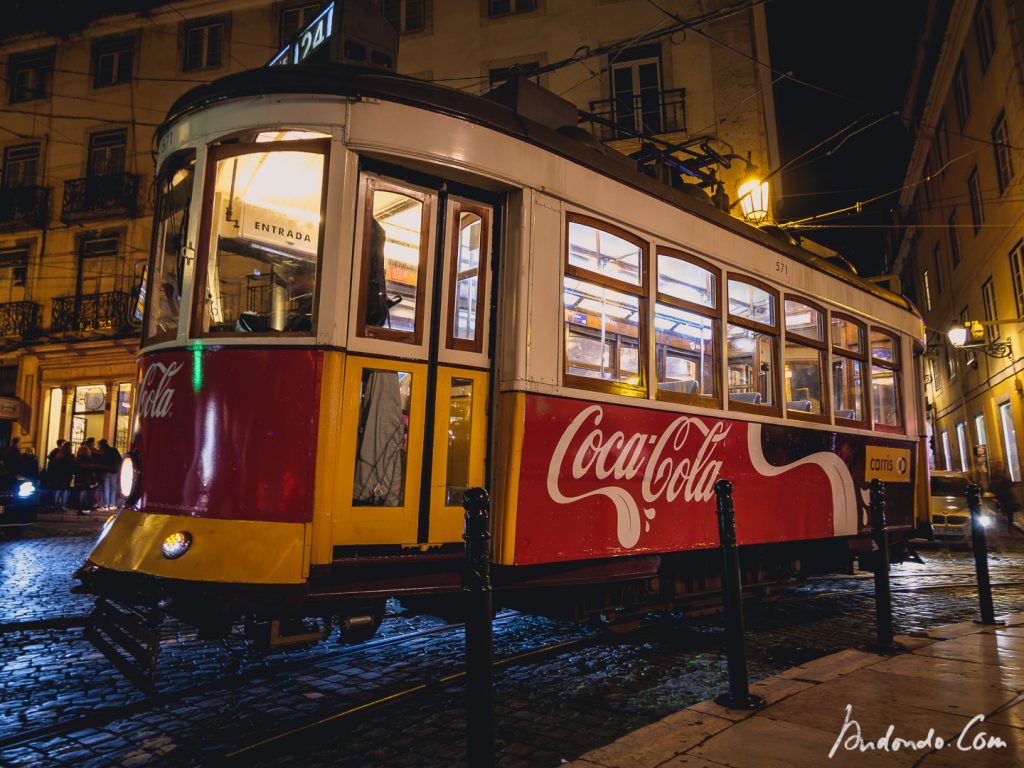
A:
(676, 463)
(156, 395)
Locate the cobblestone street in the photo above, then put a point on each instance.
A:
(65, 705)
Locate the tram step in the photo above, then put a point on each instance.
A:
(129, 638)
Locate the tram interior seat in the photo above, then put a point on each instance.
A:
(686, 386)
(841, 414)
(798, 405)
(746, 397)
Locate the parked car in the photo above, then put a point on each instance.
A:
(950, 515)
(19, 500)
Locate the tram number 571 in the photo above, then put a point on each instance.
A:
(782, 267)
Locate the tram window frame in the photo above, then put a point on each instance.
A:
(798, 339)
(863, 357)
(773, 331)
(369, 185)
(476, 344)
(712, 313)
(234, 146)
(639, 291)
(893, 366)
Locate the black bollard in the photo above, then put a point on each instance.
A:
(739, 695)
(883, 594)
(479, 652)
(980, 546)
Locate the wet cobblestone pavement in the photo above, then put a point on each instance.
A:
(62, 704)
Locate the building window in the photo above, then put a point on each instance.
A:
(974, 193)
(636, 89)
(506, 7)
(112, 61)
(295, 19)
(936, 373)
(954, 239)
(21, 166)
(979, 429)
(941, 145)
(960, 96)
(29, 75)
(13, 268)
(805, 354)
(98, 264)
(405, 15)
(107, 153)
(499, 75)
(988, 303)
(1017, 273)
(204, 44)
(938, 270)
(946, 453)
(950, 364)
(961, 441)
(604, 308)
(1001, 147)
(983, 33)
(927, 291)
(1010, 441)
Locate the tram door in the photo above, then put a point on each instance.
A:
(416, 381)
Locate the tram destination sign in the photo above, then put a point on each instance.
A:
(310, 41)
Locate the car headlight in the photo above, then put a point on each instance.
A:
(176, 544)
(26, 488)
(128, 477)
(985, 520)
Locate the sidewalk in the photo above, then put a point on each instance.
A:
(948, 678)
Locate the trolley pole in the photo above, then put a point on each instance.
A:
(883, 594)
(479, 630)
(980, 547)
(738, 695)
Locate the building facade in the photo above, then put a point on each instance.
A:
(959, 248)
(84, 96)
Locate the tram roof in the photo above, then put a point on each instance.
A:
(353, 82)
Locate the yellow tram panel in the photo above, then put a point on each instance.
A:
(329, 449)
(508, 457)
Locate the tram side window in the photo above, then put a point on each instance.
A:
(686, 328)
(885, 380)
(848, 369)
(170, 242)
(468, 272)
(265, 215)
(752, 335)
(395, 239)
(805, 359)
(604, 303)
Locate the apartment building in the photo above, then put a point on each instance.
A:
(959, 248)
(85, 94)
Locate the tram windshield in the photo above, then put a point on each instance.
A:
(265, 214)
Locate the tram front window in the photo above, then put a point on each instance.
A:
(265, 211)
(174, 195)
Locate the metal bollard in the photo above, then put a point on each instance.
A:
(479, 630)
(739, 695)
(883, 594)
(979, 544)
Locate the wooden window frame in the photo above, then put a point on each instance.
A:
(753, 325)
(485, 213)
(712, 313)
(864, 357)
(370, 185)
(819, 344)
(896, 366)
(641, 292)
(214, 155)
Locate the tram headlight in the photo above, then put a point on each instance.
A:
(128, 477)
(26, 488)
(176, 544)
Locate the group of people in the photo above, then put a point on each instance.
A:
(86, 480)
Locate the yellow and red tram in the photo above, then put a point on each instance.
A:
(369, 293)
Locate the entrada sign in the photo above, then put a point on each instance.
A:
(316, 34)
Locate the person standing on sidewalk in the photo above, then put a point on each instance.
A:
(60, 468)
(109, 462)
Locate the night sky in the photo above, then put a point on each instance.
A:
(861, 54)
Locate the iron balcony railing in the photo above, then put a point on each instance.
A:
(24, 207)
(96, 197)
(99, 312)
(20, 319)
(649, 112)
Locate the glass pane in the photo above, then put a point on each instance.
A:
(947, 454)
(604, 253)
(1010, 441)
(804, 320)
(847, 388)
(89, 410)
(803, 379)
(124, 407)
(602, 332)
(460, 431)
(467, 272)
(174, 194)
(394, 261)
(847, 335)
(751, 366)
(686, 344)
(53, 418)
(884, 347)
(383, 440)
(885, 397)
(683, 280)
(751, 302)
(961, 441)
(264, 241)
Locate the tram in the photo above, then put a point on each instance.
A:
(368, 293)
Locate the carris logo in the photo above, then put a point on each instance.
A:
(617, 457)
(157, 396)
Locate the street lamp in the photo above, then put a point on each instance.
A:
(753, 200)
(970, 334)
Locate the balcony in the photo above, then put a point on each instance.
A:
(24, 208)
(103, 313)
(648, 112)
(20, 319)
(98, 197)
